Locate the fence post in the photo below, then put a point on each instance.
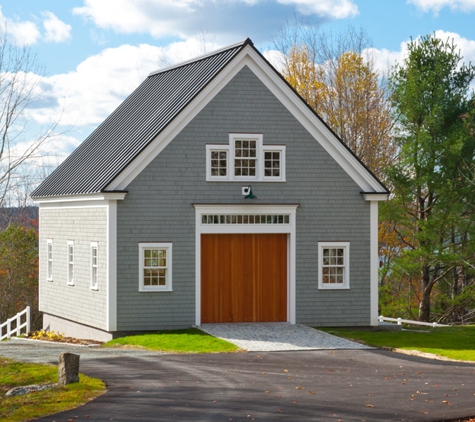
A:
(9, 327)
(18, 323)
(28, 322)
(399, 322)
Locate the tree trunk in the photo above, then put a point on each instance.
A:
(424, 305)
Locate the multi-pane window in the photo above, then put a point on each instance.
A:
(70, 262)
(272, 164)
(155, 266)
(245, 219)
(49, 259)
(245, 157)
(219, 163)
(94, 266)
(334, 265)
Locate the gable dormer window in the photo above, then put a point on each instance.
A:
(245, 158)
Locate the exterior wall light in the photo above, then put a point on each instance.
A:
(247, 190)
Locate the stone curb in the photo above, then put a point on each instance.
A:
(26, 389)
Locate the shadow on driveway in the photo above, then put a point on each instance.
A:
(340, 385)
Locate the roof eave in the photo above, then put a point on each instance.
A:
(117, 195)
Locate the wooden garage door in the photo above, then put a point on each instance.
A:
(243, 277)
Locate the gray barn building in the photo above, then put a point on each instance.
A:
(213, 193)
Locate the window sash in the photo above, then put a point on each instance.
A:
(272, 164)
(219, 163)
(245, 157)
(155, 267)
(70, 263)
(94, 267)
(49, 259)
(333, 266)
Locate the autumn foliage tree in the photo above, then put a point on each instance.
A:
(18, 271)
(338, 78)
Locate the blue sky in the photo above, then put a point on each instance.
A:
(95, 52)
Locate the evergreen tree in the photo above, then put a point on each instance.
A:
(430, 210)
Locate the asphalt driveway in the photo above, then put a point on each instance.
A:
(324, 385)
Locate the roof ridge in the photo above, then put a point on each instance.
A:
(242, 43)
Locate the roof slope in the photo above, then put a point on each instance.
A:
(133, 125)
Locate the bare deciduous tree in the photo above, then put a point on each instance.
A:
(19, 78)
(20, 75)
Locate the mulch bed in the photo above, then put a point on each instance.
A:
(71, 340)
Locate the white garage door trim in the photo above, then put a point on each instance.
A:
(218, 219)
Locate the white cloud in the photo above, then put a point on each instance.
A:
(335, 9)
(466, 47)
(138, 16)
(185, 18)
(20, 33)
(385, 59)
(50, 153)
(40, 164)
(24, 33)
(56, 149)
(275, 58)
(437, 5)
(86, 96)
(55, 29)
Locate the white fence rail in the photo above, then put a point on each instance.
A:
(16, 323)
(400, 321)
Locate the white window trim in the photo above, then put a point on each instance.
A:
(168, 282)
(69, 263)
(49, 274)
(245, 137)
(94, 282)
(273, 148)
(260, 150)
(346, 273)
(209, 149)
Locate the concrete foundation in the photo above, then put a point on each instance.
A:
(74, 329)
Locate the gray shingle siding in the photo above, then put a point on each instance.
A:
(76, 303)
(158, 208)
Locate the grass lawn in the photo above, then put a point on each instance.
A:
(41, 403)
(189, 340)
(451, 342)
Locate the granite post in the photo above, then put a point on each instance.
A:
(68, 368)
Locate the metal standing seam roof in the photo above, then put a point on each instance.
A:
(115, 143)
